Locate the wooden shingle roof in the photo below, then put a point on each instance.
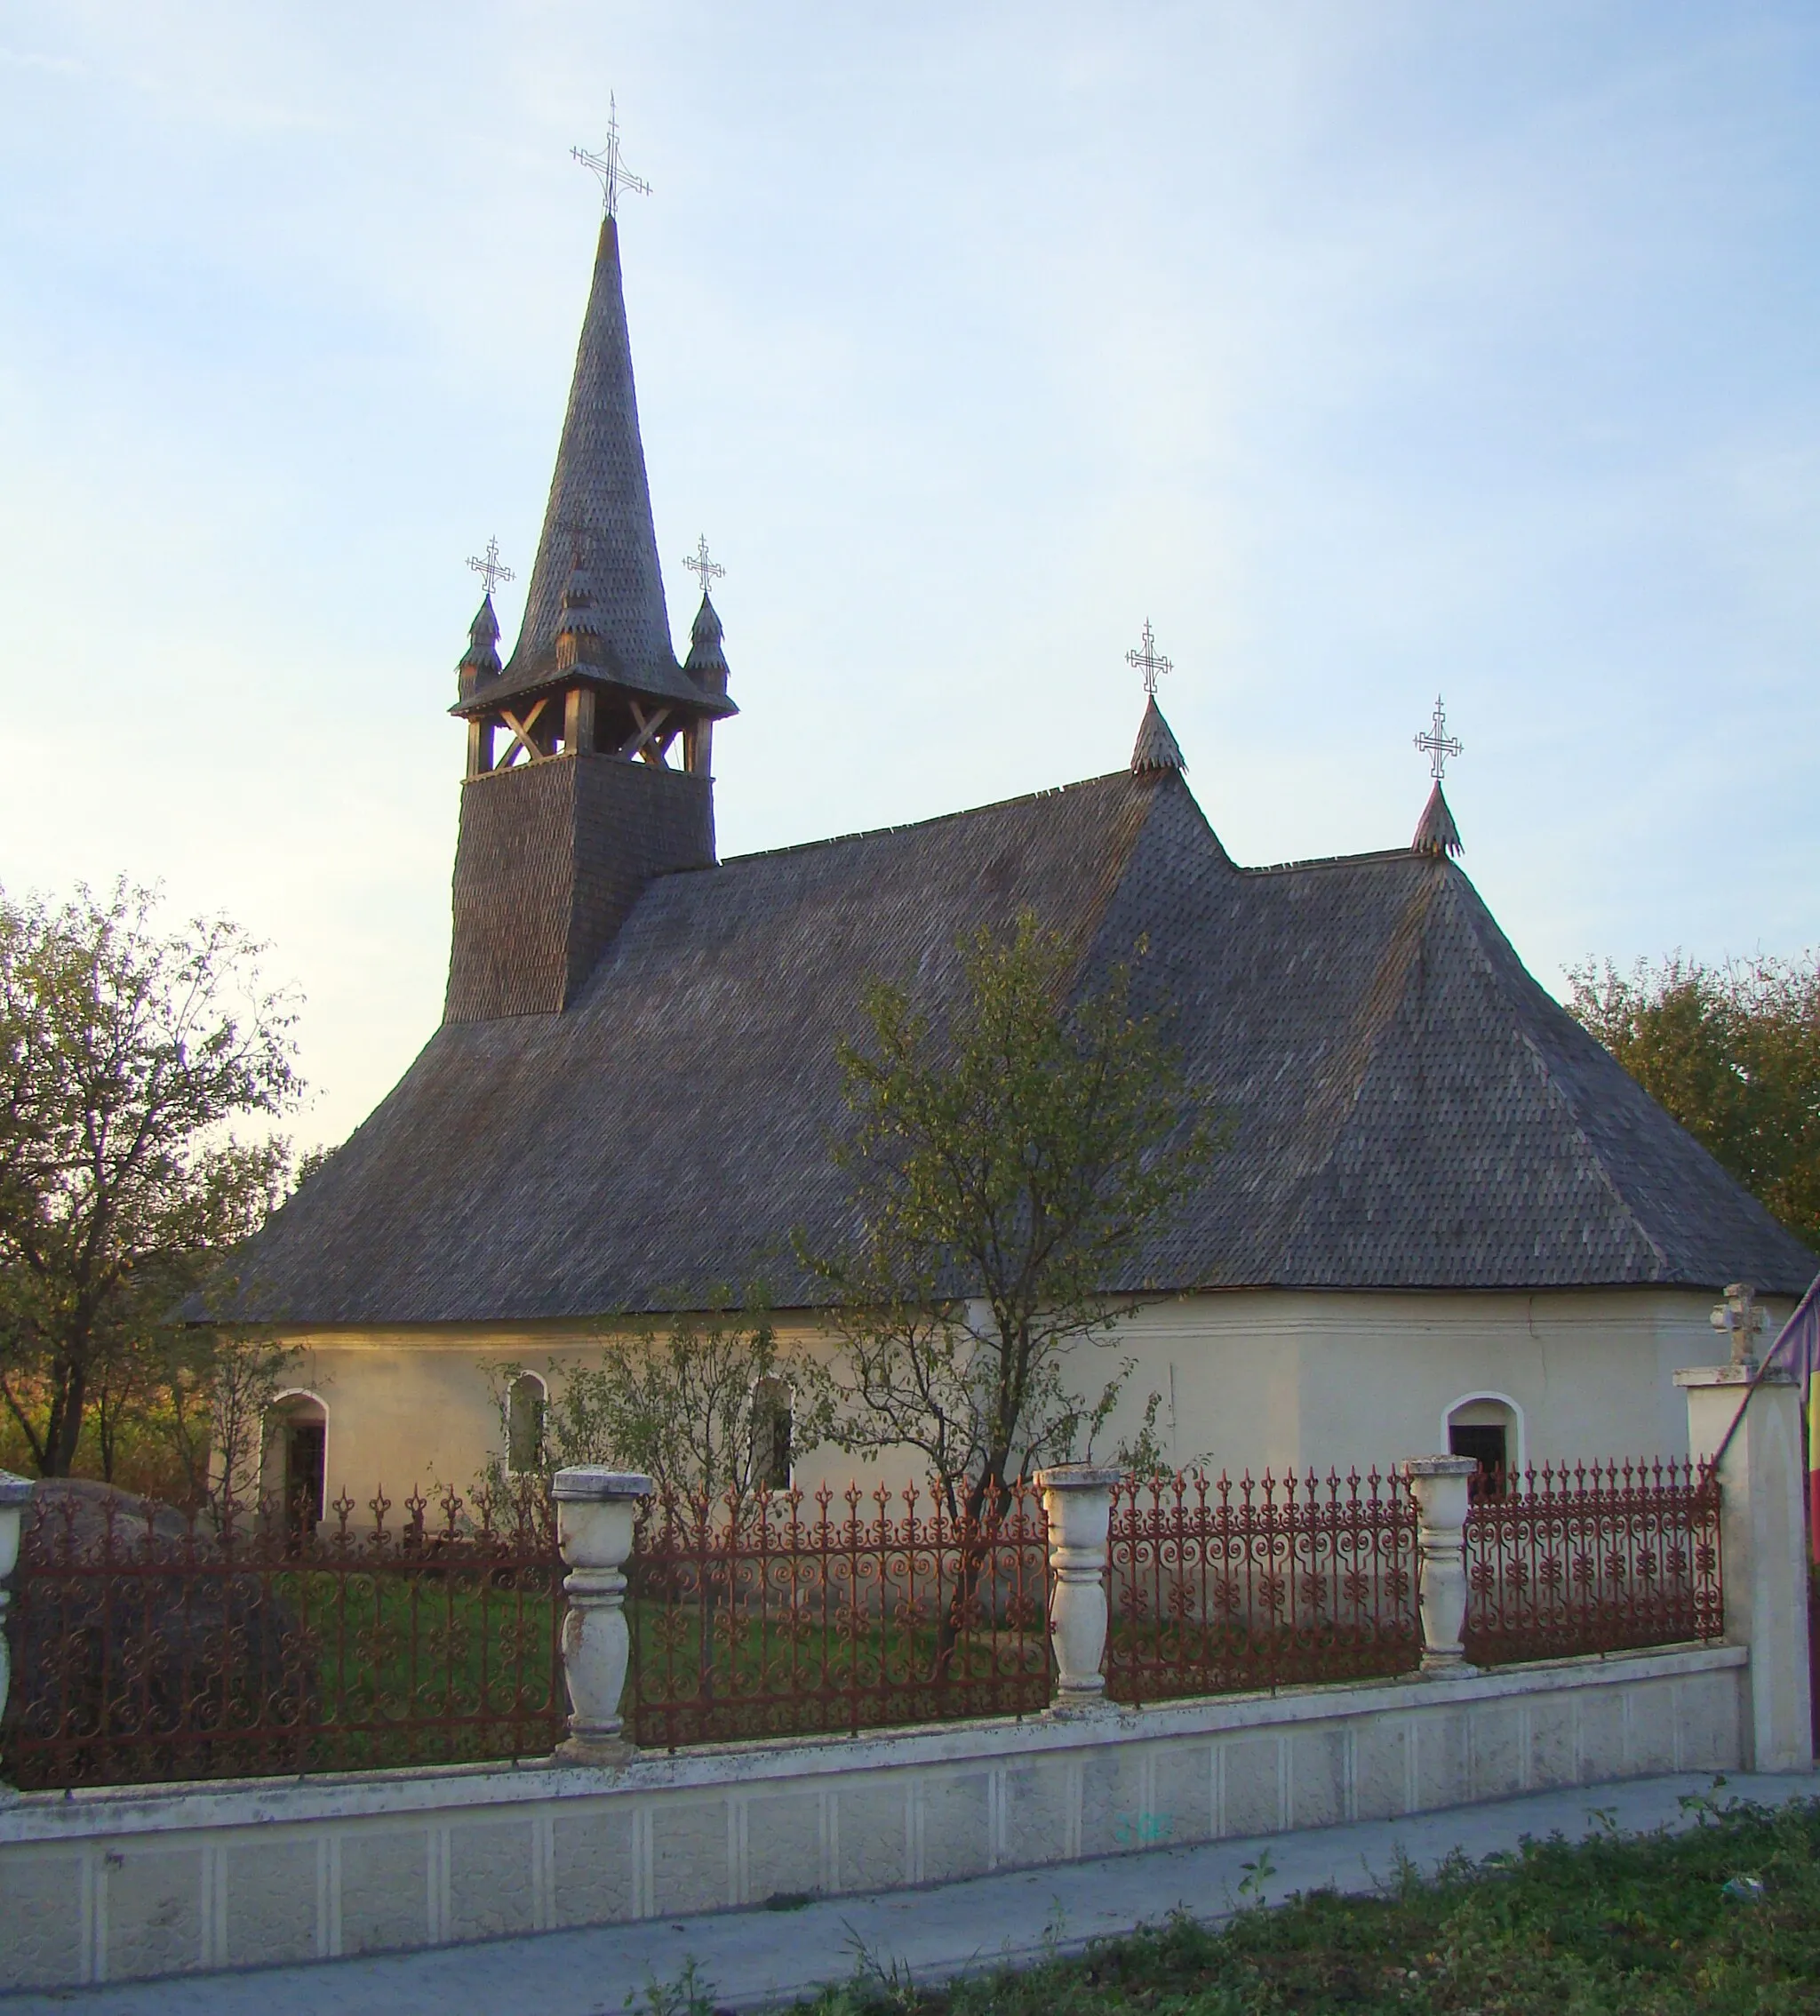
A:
(1408, 1108)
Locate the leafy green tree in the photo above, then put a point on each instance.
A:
(1733, 1051)
(213, 1391)
(125, 1055)
(1006, 1164)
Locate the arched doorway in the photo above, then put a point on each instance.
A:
(1487, 1427)
(296, 1469)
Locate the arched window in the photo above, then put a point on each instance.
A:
(771, 1451)
(1487, 1427)
(526, 1401)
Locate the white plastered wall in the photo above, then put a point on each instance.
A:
(1248, 1378)
(1333, 1380)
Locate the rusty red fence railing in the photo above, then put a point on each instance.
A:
(1219, 1587)
(1593, 1558)
(151, 1643)
(782, 1615)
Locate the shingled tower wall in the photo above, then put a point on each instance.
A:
(556, 840)
(549, 860)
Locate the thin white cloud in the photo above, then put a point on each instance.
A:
(34, 60)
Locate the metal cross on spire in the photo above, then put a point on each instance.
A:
(1148, 660)
(705, 570)
(1437, 745)
(490, 567)
(614, 176)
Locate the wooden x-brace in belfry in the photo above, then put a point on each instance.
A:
(648, 726)
(520, 733)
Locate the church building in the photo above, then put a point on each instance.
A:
(1444, 1216)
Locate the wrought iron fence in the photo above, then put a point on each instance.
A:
(1593, 1558)
(782, 1616)
(150, 1643)
(1219, 1587)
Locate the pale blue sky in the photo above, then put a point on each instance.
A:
(1367, 348)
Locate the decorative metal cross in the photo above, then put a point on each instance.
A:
(1437, 745)
(614, 176)
(706, 569)
(1148, 660)
(490, 567)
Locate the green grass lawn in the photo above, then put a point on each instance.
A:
(326, 1671)
(777, 1675)
(1643, 1926)
(429, 1668)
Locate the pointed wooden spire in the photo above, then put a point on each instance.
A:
(600, 494)
(1436, 833)
(1156, 748)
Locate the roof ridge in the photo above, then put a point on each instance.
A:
(1372, 856)
(935, 818)
(1314, 861)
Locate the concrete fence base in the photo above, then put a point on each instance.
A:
(104, 1885)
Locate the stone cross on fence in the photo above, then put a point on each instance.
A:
(1739, 1318)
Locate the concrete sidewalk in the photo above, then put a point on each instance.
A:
(756, 1958)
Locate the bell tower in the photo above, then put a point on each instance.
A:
(587, 750)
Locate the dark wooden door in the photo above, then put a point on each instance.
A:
(305, 1463)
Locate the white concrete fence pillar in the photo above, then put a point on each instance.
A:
(1440, 1486)
(1078, 1498)
(597, 1511)
(15, 1495)
(1762, 1545)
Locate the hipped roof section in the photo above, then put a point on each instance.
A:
(1406, 1108)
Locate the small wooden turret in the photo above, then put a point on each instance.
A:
(1435, 832)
